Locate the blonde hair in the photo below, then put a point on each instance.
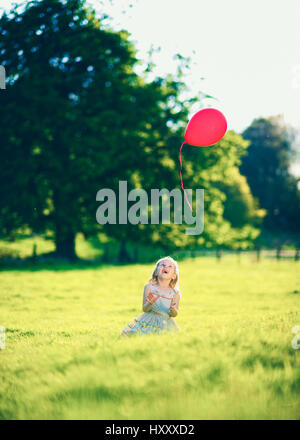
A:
(173, 283)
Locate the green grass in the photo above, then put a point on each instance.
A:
(232, 359)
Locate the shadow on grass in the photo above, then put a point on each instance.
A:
(58, 264)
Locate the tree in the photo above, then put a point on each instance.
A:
(240, 207)
(266, 168)
(232, 217)
(75, 118)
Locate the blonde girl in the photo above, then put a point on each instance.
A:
(160, 301)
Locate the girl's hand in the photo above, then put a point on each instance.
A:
(151, 298)
(172, 310)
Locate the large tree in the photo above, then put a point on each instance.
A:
(75, 118)
(267, 169)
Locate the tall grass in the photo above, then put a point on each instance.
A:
(232, 359)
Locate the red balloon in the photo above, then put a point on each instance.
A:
(205, 128)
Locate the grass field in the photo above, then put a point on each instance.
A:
(232, 359)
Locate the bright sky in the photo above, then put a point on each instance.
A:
(247, 51)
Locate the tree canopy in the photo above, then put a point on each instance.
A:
(77, 118)
(267, 169)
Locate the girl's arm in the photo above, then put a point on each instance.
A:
(148, 298)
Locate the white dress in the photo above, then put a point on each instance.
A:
(157, 320)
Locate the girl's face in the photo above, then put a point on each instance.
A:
(166, 270)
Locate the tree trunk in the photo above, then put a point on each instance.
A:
(136, 255)
(124, 256)
(219, 254)
(65, 245)
(34, 254)
(64, 230)
(278, 250)
(105, 257)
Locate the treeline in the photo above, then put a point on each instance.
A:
(76, 117)
(274, 146)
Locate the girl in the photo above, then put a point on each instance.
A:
(160, 301)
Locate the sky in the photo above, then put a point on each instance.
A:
(248, 52)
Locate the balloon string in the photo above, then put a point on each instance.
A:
(181, 176)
